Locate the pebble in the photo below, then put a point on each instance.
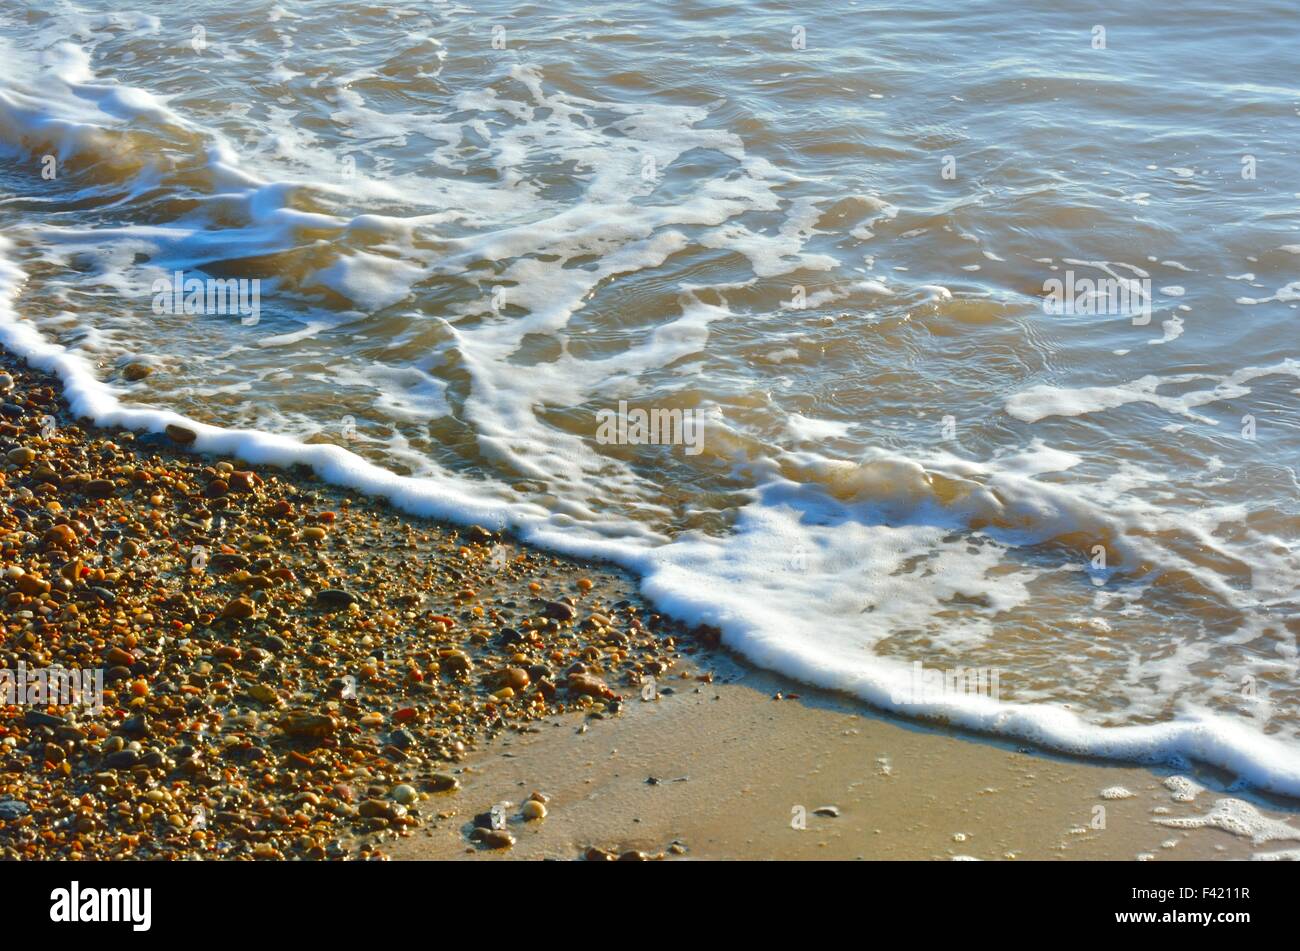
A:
(443, 782)
(181, 434)
(380, 809)
(830, 812)
(263, 693)
(239, 609)
(242, 481)
(533, 810)
(405, 794)
(33, 586)
(515, 678)
(493, 838)
(61, 536)
(13, 809)
(456, 661)
(558, 611)
(335, 598)
(122, 759)
(100, 488)
(40, 718)
(589, 685)
(315, 725)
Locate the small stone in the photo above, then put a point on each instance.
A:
(533, 810)
(830, 812)
(243, 481)
(309, 724)
(379, 809)
(558, 611)
(118, 657)
(263, 693)
(239, 609)
(61, 536)
(122, 759)
(137, 725)
(493, 838)
(443, 782)
(21, 456)
(13, 809)
(456, 661)
(40, 718)
(589, 685)
(634, 855)
(181, 434)
(136, 371)
(100, 489)
(594, 854)
(335, 598)
(405, 794)
(6, 383)
(33, 586)
(515, 678)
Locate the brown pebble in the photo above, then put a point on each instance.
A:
(32, 586)
(180, 434)
(442, 782)
(61, 536)
(589, 685)
(515, 678)
(309, 724)
(118, 657)
(494, 838)
(100, 488)
(243, 481)
(239, 609)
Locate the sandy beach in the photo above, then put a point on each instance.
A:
(294, 671)
(720, 771)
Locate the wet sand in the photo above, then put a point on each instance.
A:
(720, 769)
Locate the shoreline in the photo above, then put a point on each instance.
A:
(482, 670)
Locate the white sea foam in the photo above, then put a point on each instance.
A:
(1239, 818)
(1039, 402)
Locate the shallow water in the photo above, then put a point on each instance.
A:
(477, 231)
